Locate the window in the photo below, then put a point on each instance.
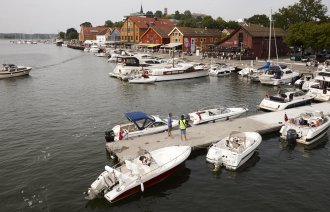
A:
(131, 37)
(211, 39)
(137, 38)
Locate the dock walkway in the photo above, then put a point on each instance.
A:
(201, 136)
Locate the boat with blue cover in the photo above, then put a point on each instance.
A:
(139, 124)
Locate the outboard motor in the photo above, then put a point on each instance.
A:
(109, 136)
(291, 137)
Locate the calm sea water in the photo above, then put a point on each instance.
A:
(52, 148)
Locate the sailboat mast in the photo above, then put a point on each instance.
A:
(270, 34)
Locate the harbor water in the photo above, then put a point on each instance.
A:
(52, 148)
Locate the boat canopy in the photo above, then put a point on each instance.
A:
(267, 65)
(140, 119)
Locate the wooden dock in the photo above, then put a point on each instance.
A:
(202, 136)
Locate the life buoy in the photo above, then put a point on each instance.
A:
(145, 73)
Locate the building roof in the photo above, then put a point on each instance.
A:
(256, 30)
(188, 31)
(145, 23)
(105, 31)
(93, 30)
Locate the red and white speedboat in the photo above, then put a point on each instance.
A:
(133, 176)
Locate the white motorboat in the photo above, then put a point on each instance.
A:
(116, 55)
(321, 86)
(278, 75)
(306, 128)
(87, 49)
(305, 81)
(127, 67)
(220, 69)
(134, 176)
(216, 113)
(286, 99)
(11, 70)
(94, 49)
(139, 124)
(177, 72)
(234, 150)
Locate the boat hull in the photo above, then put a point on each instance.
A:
(146, 184)
(196, 74)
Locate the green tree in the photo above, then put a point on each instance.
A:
(158, 14)
(118, 24)
(71, 34)
(187, 14)
(108, 23)
(86, 24)
(209, 22)
(177, 15)
(222, 24)
(150, 14)
(303, 11)
(309, 35)
(259, 19)
(61, 35)
(232, 24)
(189, 22)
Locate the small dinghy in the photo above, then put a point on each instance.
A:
(133, 176)
(234, 150)
(305, 128)
(216, 113)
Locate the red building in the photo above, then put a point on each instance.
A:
(253, 41)
(156, 35)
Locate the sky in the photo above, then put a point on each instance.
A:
(45, 16)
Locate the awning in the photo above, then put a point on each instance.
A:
(137, 117)
(171, 45)
(151, 45)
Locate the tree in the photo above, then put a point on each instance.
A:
(118, 24)
(86, 24)
(158, 14)
(309, 35)
(304, 11)
(259, 19)
(222, 24)
(209, 22)
(61, 35)
(150, 14)
(71, 34)
(189, 22)
(177, 15)
(108, 23)
(232, 25)
(187, 14)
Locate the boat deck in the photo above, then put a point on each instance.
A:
(201, 136)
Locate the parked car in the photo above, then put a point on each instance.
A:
(295, 58)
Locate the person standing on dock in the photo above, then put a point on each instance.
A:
(169, 125)
(183, 127)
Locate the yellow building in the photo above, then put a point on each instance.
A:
(134, 27)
